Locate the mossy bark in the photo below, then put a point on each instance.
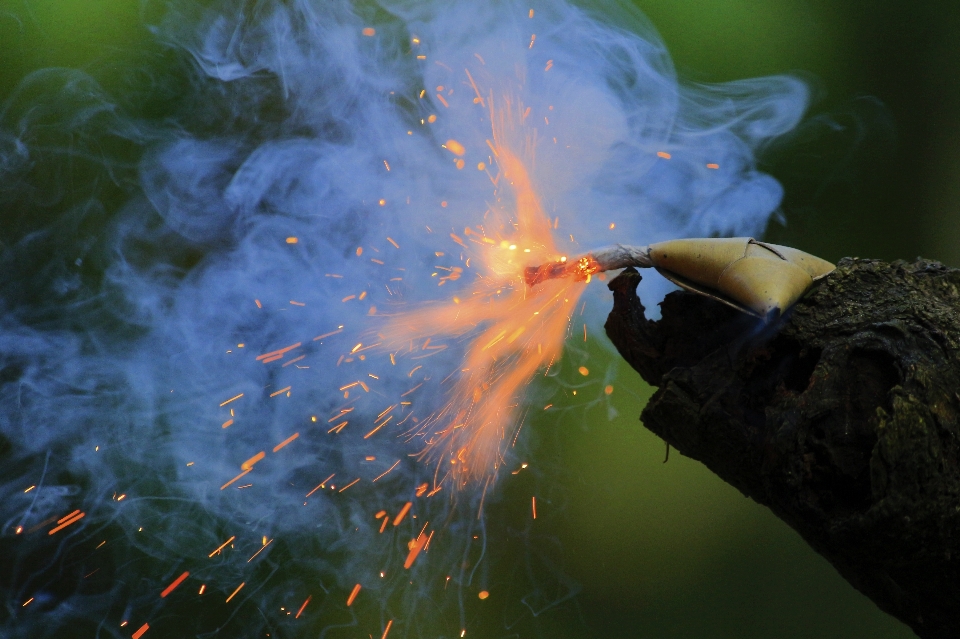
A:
(843, 418)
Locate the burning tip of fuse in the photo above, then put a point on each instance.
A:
(582, 268)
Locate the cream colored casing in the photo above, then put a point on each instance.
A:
(754, 277)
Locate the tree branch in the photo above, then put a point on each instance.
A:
(842, 418)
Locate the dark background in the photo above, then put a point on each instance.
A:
(667, 550)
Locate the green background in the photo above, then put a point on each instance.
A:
(668, 550)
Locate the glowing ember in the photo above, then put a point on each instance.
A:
(302, 607)
(353, 595)
(173, 586)
(234, 593)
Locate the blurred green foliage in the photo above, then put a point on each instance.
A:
(36, 34)
(877, 171)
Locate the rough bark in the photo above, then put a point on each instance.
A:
(842, 418)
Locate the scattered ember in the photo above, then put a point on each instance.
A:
(172, 586)
(353, 595)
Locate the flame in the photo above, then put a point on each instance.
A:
(514, 331)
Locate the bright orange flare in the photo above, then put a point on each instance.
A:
(455, 147)
(300, 612)
(234, 593)
(173, 586)
(353, 595)
(415, 547)
(515, 330)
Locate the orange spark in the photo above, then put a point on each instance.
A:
(139, 633)
(319, 337)
(479, 98)
(222, 546)
(349, 485)
(285, 442)
(403, 513)
(235, 479)
(353, 595)
(66, 517)
(387, 630)
(172, 586)
(385, 422)
(259, 551)
(250, 463)
(338, 427)
(713, 166)
(272, 354)
(388, 470)
(235, 397)
(321, 484)
(233, 594)
(664, 155)
(72, 518)
(415, 547)
(369, 31)
(300, 612)
(533, 503)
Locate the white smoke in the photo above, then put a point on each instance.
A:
(121, 323)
